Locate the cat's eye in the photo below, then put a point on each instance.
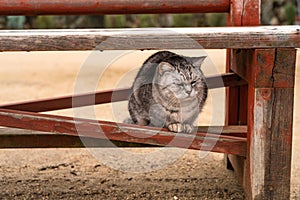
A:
(193, 83)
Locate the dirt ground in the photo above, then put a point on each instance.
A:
(97, 174)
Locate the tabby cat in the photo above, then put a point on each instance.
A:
(169, 91)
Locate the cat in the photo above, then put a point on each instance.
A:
(169, 91)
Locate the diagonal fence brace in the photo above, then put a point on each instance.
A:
(122, 132)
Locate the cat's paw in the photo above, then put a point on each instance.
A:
(181, 128)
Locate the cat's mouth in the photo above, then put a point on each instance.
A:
(186, 95)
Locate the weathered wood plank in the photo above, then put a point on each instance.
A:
(283, 74)
(273, 67)
(38, 7)
(71, 101)
(109, 96)
(270, 121)
(270, 142)
(251, 12)
(122, 132)
(242, 13)
(239, 131)
(150, 38)
(235, 16)
(19, 138)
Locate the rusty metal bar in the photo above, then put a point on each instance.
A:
(73, 101)
(75, 7)
(151, 38)
(121, 132)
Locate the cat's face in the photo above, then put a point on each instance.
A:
(183, 81)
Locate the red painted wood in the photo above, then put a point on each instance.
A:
(273, 67)
(242, 13)
(284, 69)
(235, 131)
(67, 7)
(266, 69)
(270, 119)
(19, 138)
(122, 132)
(73, 101)
(235, 16)
(270, 156)
(251, 12)
(250, 17)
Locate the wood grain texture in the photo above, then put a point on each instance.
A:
(283, 74)
(270, 120)
(150, 38)
(123, 132)
(235, 16)
(19, 138)
(251, 12)
(67, 7)
(270, 143)
(242, 13)
(270, 74)
(273, 67)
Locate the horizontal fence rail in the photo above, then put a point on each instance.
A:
(109, 96)
(124, 132)
(151, 38)
(21, 138)
(67, 7)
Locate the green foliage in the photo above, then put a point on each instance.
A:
(15, 22)
(44, 22)
(183, 20)
(148, 20)
(216, 19)
(114, 21)
(290, 12)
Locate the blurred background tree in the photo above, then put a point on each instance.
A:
(279, 12)
(274, 12)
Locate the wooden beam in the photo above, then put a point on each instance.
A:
(20, 138)
(71, 101)
(242, 13)
(266, 74)
(109, 96)
(75, 7)
(153, 38)
(235, 131)
(122, 132)
(270, 120)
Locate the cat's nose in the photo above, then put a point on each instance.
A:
(188, 89)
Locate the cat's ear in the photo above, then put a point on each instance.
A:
(164, 67)
(197, 61)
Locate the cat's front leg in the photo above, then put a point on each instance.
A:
(180, 128)
(174, 123)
